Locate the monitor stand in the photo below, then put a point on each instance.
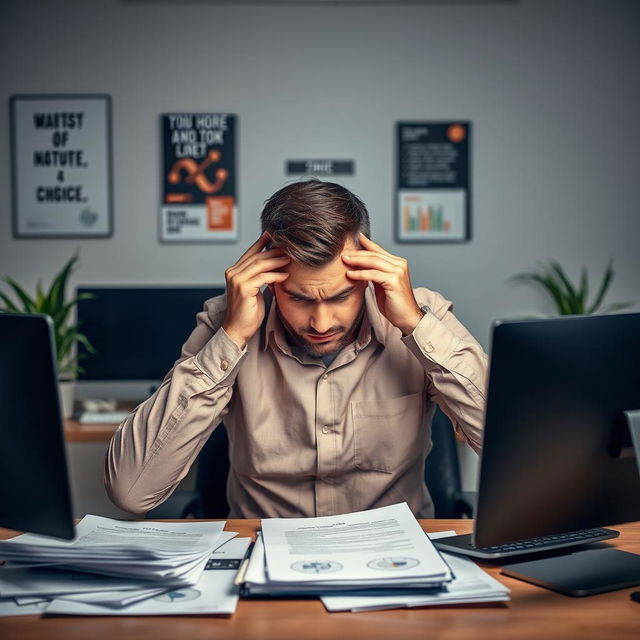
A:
(591, 571)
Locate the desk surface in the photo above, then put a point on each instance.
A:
(532, 613)
(75, 431)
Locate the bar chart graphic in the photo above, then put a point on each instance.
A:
(431, 214)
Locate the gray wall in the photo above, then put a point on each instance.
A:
(550, 85)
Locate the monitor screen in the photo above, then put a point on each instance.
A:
(34, 486)
(138, 332)
(557, 454)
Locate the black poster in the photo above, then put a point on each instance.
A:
(199, 198)
(433, 201)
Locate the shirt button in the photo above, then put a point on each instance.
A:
(224, 365)
(326, 429)
(428, 347)
(325, 376)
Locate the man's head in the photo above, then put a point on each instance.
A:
(313, 222)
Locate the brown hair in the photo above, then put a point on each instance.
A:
(311, 220)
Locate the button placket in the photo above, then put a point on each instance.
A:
(325, 446)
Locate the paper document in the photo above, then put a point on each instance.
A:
(385, 544)
(11, 607)
(470, 585)
(39, 581)
(214, 593)
(166, 552)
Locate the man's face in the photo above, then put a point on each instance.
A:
(320, 307)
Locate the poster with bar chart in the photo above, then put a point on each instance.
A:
(433, 182)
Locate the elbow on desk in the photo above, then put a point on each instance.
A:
(124, 497)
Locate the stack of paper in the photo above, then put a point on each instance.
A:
(173, 554)
(123, 568)
(381, 548)
(471, 585)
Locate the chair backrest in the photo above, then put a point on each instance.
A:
(442, 471)
(212, 473)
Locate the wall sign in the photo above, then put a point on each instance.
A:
(199, 201)
(321, 167)
(61, 157)
(433, 196)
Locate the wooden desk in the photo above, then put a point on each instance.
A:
(532, 613)
(74, 431)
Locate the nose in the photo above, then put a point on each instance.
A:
(321, 321)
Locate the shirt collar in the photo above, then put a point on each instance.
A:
(373, 323)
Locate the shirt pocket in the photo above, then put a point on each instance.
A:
(388, 434)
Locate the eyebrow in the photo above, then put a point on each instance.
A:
(340, 294)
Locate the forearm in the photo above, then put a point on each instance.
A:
(456, 368)
(154, 447)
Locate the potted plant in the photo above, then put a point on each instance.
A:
(570, 298)
(55, 304)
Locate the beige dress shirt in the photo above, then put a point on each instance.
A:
(305, 439)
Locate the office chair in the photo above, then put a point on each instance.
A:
(208, 499)
(442, 472)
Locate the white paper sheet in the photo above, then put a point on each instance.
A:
(50, 582)
(374, 545)
(215, 592)
(166, 552)
(9, 607)
(470, 585)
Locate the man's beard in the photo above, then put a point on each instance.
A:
(346, 337)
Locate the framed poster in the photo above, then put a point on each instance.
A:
(199, 198)
(433, 193)
(61, 166)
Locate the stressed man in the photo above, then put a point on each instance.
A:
(325, 366)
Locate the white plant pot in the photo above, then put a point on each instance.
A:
(67, 395)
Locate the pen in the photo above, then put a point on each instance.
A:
(244, 564)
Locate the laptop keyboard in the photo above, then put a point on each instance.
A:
(543, 542)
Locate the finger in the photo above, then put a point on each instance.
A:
(242, 264)
(371, 260)
(370, 275)
(386, 256)
(267, 278)
(256, 247)
(370, 244)
(260, 264)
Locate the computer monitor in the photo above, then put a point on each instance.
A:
(137, 331)
(557, 453)
(34, 484)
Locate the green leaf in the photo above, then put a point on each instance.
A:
(9, 305)
(606, 281)
(41, 301)
(583, 292)
(61, 316)
(65, 341)
(59, 284)
(27, 301)
(80, 337)
(555, 292)
(570, 296)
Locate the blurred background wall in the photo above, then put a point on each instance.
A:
(551, 87)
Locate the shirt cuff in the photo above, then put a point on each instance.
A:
(219, 358)
(431, 341)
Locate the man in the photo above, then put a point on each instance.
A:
(326, 378)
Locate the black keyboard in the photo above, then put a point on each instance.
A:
(463, 545)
